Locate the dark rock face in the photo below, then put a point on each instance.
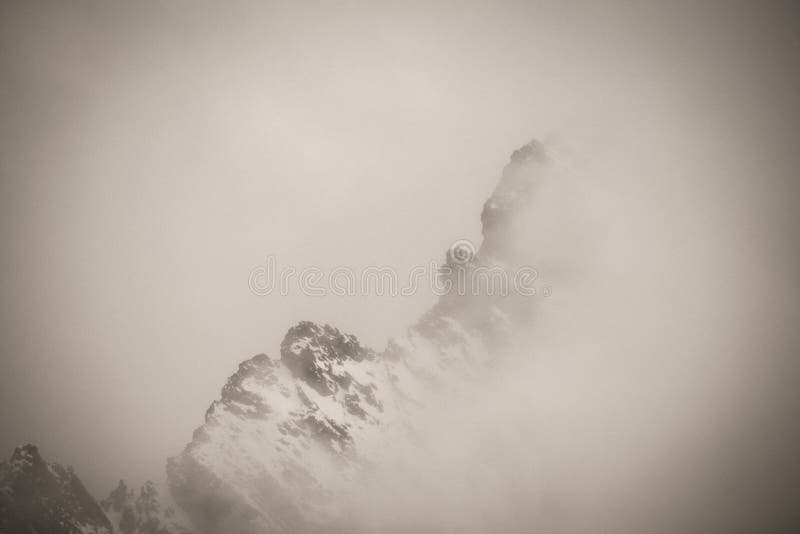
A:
(311, 351)
(36, 496)
(499, 218)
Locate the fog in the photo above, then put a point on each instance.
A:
(647, 396)
(153, 154)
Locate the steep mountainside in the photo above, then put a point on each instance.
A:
(296, 435)
(293, 434)
(41, 497)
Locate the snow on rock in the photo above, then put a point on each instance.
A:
(291, 436)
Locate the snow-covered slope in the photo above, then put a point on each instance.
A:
(294, 434)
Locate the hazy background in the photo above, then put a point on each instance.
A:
(154, 153)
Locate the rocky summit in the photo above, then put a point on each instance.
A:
(37, 496)
(296, 433)
(293, 434)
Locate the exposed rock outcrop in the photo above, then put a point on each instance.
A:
(47, 498)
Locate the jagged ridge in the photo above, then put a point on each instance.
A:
(291, 436)
(37, 496)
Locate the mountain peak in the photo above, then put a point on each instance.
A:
(38, 496)
(118, 497)
(314, 353)
(149, 512)
(534, 150)
(26, 455)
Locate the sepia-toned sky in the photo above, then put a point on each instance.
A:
(153, 153)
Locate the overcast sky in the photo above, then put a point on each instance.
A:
(153, 153)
